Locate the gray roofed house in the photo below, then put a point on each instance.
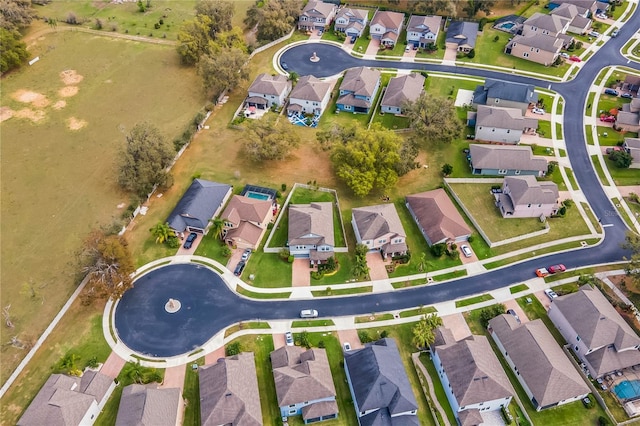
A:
(379, 385)
(524, 196)
(502, 125)
(598, 335)
(311, 95)
(229, 392)
(505, 94)
(379, 228)
(629, 118)
(470, 418)
(423, 30)
(462, 35)
(545, 372)
(311, 231)
(578, 16)
(400, 90)
(267, 90)
(358, 90)
(437, 217)
(202, 201)
(304, 384)
(537, 47)
(316, 15)
(351, 21)
(146, 405)
(551, 25)
(632, 146)
(65, 400)
(506, 160)
(471, 375)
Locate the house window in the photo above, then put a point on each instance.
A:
(502, 172)
(525, 54)
(508, 130)
(497, 101)
(292, 412)
(537, 50)
(576, 348)
(529, 205)
(292, 406)
(531, 49)
(578, 338)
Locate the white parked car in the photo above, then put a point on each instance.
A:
(347, 346)
(288, 338)
(308, 313)
(550, 293)
(466, 251)
(538, 111)
(594, 33)
(564, 55)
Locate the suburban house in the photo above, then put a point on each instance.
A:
(462, 36)
(578, 16)
(148, 405)
(386, 27)
(505, 94)
(379, 385)
(540, 48)
(437, 217)
(351, 21)
(598, 335)
(541, 23)
(400, 90)
(501, 125)
(505, 160)
(629, 118)
(631, 84)
(632, 146)
(229, 392)
(311, 231)
(539, 364)
(524, 196)
(69, 400)
(310, 96)
(358, 90)
(245, 221)
(423, 30)
(591, 5)
(471, 376)
(268, 90)
(304, 384)
(316, 15)
(202, 201)
(379, 228)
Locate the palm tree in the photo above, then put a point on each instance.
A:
(423, 335)
(423, 261)
(217, 226)
(162, 232)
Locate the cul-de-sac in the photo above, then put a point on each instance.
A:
(285, 212)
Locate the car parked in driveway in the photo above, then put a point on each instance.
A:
(190, 239)
(594, 33)
(627, 96)
(575, 58)
(288, 338)
(607, 118)
(239, 268)
(513, 313)
(554, 269)
(542, 272)
(538, 111)
(466, 250)
(564, 55)
(246, 254)
(613, 149)
(610, 91)
(346, 346)
(550, 293)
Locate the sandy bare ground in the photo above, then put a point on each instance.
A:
(33, 115)
(37, 100)
(70, 77)
(68, 91)
(59, 105)
(74, 123)
(6, 113)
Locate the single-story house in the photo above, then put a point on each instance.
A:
(267, 90)
(310, 96)
(540, 365)
(148, 405)
(304, 384)
(423, 30)
(498, 160)
(437, 217)
(316, 15)
(598, 335)
(311, 231)
(358, 90)
(386, 27)
(632, 146)
(379, 228)
(202, 201)
(524, 196)
(540, 48)
(502, 125)
(631, 84)
(505, 94)
(245, 221)
(462, 36)
(379, 385)
(351, 21)
(400, 91)
(69, 400)
(229, 392)
(471, 375)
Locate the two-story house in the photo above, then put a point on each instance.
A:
(632, 146)
(316, 15)
(423, 30)
(245, 221)
(358, 90)
(540, 48)
(304, 384)
(267, 90)
(400, 91)
(505, 94)
(524, 196)
(505, 160)
(351, 21)
(310, 96)
(502, 125)
(578, 16)
(379, 228)
(386, 27)
(311, 231)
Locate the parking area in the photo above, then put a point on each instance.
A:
(194, 244)
(373, 47)
(236, 254)
(465, 259)
(278, 340)
(512, 304)
(350, 336)
(301, 273)
(377, 270)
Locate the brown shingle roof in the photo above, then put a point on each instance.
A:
(242, 209)
(406, 88)
(310, 88)
(540, 41)
(361, 81)
(420, 24)
(270, 84)
(503, 157)
(148, 406)
(553, 23)
(527, 190)
(376, 221)
(389, 20)
(318, 8)
(311, 224)
(470, 418)
(437, 215)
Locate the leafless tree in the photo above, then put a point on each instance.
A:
(7, 316)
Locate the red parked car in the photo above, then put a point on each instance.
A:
(608, 118)
(556, 268)
(575, 58)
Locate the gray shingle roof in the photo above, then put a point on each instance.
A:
(552, 23)
(148, 406)
(376, 221)
(470, 417)
(352, 14)
(270, 84)
(310, 88)
(382, 417)
(503, 118)
(527, 190)
(542, 364)
(506, 157)
(462, 33)
(500, 89)
(437, 215)
(229, 392)
(318, 9)
(406, 88)
(540, 41)
(360, 81)
(198, 204)
(422, 24)
(379, 379)
(311, 224)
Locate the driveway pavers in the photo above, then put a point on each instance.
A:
(214, 356)
(512, 304)
(458, 326)
(377, 270)
(301, 273)
(174, 377)
(112, 365)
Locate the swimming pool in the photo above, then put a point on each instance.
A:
(257, 196)
(507, 25)
(629, 389)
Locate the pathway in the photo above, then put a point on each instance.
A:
(113, 365)
(112, 34)
(416, 361)
(301, 273)
(174, 377)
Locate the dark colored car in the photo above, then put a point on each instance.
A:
(239, 268)
(610, 91)
(284, 66)
(627, 96)
(190, 239)
(613, 149)
(513, 313)
(557, 268)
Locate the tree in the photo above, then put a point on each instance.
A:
(632, 269)
(266, 140)
(144, 159)
(360, 267)
(193, 39)
(233, 349)
(368, 160)
(447, 169)
(223, 70)
(16, 14)
(408, 153)
(433, 118)
(13, 51)
(434, 7)
(475, 6)
(336, 133)
(162, 232)
(423, 334)
(622, 159)
(491, 312)
(219, 12)
(274, 19)
(217, 226)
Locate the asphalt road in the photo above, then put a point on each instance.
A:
(209, 306)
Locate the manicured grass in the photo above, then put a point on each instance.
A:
(256, 295)
(391, 121)
(591, 216)
(438, 389)
(544, 128)
(269, 270)
(252, 325)
(362, 42)
(448, 87)
(212, 248)
(572, 179)
(473, 300)
(312, 323)
(405, 284)
(418, 311)
(450, 275)
(342, 291)
(622, 177)
(191, 393)
(535, 310)
(342, 275)
(590, 99)
(398, 48)
(622, 212)
(374, 317)
(538, 252)
(598, 167)
(612, 403)
(556, 177)
(518, 288)
(607, 136)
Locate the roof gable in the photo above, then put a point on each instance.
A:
(527, 190)
(310, 88)
(198, 204)
(506, 157)
(387, 19)
(311, 220)
(406, 88)
(376, 221)
(361, 81)
(437, 215)
(499, 89)
(270, 85)
(148, 406)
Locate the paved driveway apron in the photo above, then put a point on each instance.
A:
(301, 275)
(377, 270)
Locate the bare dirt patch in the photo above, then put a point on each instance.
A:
(76, 123)
(70, 77)
(60, 105)
(68, 91)
(38, 100)
(33, 115)
(6, 113)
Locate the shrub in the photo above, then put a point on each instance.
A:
(591, 403)
(173, 242)
(603, 421)
(470, 239)
(284, 254)
(233, 349)
(99, 24)
(290, 258)
(364, 336)
(321, 344)
(384, 334)
(226, 251)
(438, 249)
(496, 38)
(72, 19)
(283, 187)
(93, 362)
(492, 311)
(316, 275)
(303, 339)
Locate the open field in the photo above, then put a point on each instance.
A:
(59, 155)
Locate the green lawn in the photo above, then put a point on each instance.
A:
(623, 177)
(473, 300)
(535, 310)
(251, 325)
(312, 323)
(398, 48)
(342, 291)
(518, 288)
(391, 121)
(418, 311)
(268, 269)
(256, 295)
(212, 248)
(610, 137)
(544, 128)
(342, 275)
(438, 390)
(191, 393)
(362, 42)
(448, 87)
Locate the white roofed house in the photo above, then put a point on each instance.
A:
(423, 30)
(386, 27)
(310, 96)
(351, 21)
(267, 90)
(400, 91)
(316, 15)
(379, 228)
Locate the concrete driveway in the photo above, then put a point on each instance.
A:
(194, 246)
(301, 273)
(236, 255)
(463, 258)
(450, 54)
(350, 336)
(543, 298)
(512, 304)
(377, 270)
(457, 325)
(278, 340)
(373, 47)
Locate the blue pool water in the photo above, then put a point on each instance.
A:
(628, 389)
(257, 196)
(508, 25)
